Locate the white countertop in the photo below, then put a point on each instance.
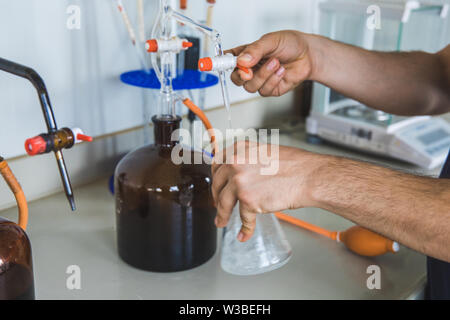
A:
(319, 268)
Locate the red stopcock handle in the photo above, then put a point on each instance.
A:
(80, 136)
(83, 137)
(44, 143)
(173, 45)
(220, 64)
(36, 145)
(205, 64)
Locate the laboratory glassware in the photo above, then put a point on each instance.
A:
(267, 250)
(164, 211)
(16, 265)
(403, 26)
(274, 252)
(50, 140)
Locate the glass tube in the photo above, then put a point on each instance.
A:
(166, 100)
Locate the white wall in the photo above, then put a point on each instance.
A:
(81, 67)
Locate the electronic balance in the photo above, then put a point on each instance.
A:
(423, 140)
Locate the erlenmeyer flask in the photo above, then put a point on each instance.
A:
(267, 250)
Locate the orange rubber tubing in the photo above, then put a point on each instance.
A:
(357, 239)
(15, 187)
(202, 116)
(305, 225)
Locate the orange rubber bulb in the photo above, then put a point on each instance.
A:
(365, 242)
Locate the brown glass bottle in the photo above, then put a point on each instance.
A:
(164, 212)
(16, 267)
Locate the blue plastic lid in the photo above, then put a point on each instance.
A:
(190, 79)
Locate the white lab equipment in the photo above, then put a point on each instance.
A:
(422, 140)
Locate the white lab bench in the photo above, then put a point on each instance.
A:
(319, 268)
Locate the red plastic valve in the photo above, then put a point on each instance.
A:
(205, 64)
(84, 137)
(152, 45)
(187, 44)
(35, 145)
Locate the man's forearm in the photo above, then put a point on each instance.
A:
(400, 83)
(412, 210)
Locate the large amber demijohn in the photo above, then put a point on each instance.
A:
(164, 211)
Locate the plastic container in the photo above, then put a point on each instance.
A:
(164, 212)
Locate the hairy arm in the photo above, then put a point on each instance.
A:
(412, 210)
(407, 83)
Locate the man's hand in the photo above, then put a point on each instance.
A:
(278, 62)
(285, 189)
(415, 211)
(403, 83)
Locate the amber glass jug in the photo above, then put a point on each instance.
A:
(16, 266)
(16, 270)
(164, 211)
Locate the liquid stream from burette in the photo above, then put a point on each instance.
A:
(223, 84)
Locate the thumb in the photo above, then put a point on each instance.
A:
(254, 52)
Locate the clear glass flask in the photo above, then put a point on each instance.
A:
(267, 250)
